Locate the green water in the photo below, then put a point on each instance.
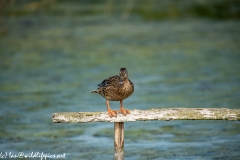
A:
(51, 63)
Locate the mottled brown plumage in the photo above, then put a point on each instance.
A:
(116, 88)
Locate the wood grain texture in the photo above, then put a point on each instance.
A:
(118, 140)
(163, 114)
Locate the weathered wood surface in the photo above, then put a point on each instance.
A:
(164, 114)
(118, 140)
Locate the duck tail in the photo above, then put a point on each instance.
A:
(94, 91)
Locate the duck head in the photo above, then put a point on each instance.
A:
(123, 74)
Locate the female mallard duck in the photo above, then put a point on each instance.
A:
(116, 88)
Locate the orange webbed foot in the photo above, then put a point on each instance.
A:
(124, 111)
(112, 113)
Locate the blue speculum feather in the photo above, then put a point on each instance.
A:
(104, 83)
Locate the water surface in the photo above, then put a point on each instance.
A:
(51, 63)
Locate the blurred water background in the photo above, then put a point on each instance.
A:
(178, 54)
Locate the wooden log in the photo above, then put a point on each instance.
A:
(118, 141)
(144, 115)
(163, 114)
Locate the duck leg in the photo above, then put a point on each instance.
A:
(111, 113)
(122, 110)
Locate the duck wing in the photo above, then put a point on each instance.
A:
(111, 81)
